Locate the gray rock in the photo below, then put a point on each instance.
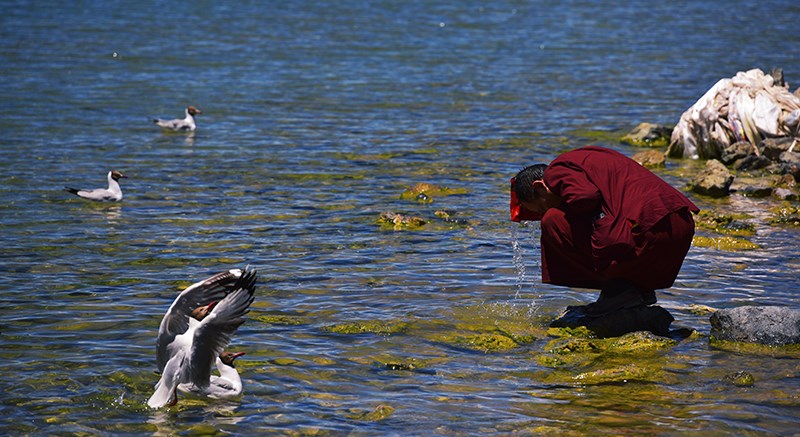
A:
(790, 157)
(768, 325)
(752, 187)
(736, 151)
(772, 148)
(715, 180)
(784, 194)
(643, 318)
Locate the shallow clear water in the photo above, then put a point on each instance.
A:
(316, 117)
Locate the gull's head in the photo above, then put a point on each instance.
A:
(193, 111)
(200, 313)
(228, 357)
(116, 175)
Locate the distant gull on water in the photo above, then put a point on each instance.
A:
(180, 125)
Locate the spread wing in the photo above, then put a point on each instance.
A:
(176, 320)
(215, 331)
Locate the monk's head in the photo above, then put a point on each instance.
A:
(532, 192)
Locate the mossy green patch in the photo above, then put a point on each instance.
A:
(425, 192)
(740, 379)
(785, 215)
(730, 244)
(280, 319)
(618, 374)
(481, 342)
(581, 351)
(790, 351)
(397, 222)
(378, 413)
(728, 224)
(369, 326)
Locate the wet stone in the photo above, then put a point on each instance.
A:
(768, 325)
(653, 318)
(714, 180)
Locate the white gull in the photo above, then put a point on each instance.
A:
(111, 194)
(197, 328)
(186, 124)
(227, 385)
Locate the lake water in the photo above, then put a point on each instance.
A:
(316, 117)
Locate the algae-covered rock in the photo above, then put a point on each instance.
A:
(730, 244)
(648, 135)
(280, 319)
(425, 192)
(623, 373)
(451, 217)
(740, 379)
(639, 342)
(379, 413)
(482, 342)
(399, 221)
(582, 351)
(722, 223)
(406, 365)
(786, 215)
(369, 326)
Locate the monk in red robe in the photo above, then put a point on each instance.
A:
(607, 223)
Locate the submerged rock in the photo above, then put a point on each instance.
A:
(480, 342)
(369, 326)
(653, 318)
(768, 325)
(730, 244)
(786, 215)
(399, 221)
(725, 223)
(740, 379)
(425, 193)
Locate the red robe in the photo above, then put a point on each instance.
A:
(617, 220)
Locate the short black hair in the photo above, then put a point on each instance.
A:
(523, 181)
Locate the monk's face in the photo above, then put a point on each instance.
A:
(543, 199)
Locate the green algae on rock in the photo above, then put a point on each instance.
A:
(623, 373)
(728, 224)
(280, 319)
(424, 192)
(568, 351)
(369, 327)
(380, 412)
(785, 215)
(783, 351)
(648, 135)
(481, 342)
(740, 379)
(396, 221)
(730, 244)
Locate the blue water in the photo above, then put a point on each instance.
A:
(316, 117)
